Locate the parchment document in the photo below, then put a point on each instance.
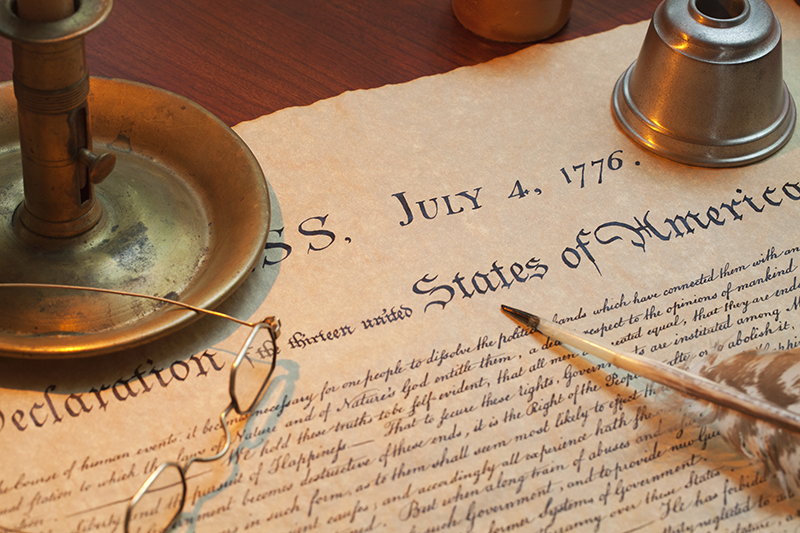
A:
(404, 399)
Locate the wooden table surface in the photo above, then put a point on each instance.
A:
(245, 58)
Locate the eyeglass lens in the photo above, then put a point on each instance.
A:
(161, 501)
(254, 366)
(163, 495)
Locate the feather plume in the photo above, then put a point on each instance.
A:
(761, 386)
(770, 376)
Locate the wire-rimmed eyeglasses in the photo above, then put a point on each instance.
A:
(160, 500)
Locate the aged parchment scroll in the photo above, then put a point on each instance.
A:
(404, 400)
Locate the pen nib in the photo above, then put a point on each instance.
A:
(531, 321)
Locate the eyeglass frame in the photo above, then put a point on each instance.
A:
(274, 326)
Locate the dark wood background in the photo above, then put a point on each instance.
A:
(241, 59)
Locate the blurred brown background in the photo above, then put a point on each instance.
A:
(245, 58)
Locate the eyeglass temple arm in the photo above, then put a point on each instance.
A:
(124, 293)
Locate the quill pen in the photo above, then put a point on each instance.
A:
(675, 378)
(769, 433)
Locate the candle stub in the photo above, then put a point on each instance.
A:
(513, 20)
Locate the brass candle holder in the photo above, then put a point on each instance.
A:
(111, 184)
